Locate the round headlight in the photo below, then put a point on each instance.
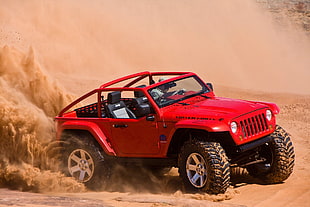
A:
(268, 115)
(233, 127)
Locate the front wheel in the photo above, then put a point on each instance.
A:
(204, 166)
(280, 157)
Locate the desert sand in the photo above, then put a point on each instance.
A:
(52, 52)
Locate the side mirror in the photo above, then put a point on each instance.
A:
(150, 118)
(210, 86)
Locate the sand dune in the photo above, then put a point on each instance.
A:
(51, 51)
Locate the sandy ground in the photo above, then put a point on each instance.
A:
(52, 51)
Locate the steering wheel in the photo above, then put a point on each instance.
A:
(179, 92)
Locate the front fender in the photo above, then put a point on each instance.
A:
(94, 129)
(274, 107)
(208, 125)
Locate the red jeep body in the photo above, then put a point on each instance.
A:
(127, 119)
(151, 138)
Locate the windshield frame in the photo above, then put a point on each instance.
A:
(172, 82)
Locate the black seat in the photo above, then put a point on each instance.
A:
(139, 94)
(117, 108)
(142, 105)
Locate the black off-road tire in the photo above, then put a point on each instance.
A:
(83, 160)
(207, 163)
(280, 159)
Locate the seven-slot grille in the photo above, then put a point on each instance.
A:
(254, 125)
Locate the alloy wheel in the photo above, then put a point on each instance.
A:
(196, 170)
(81, 165)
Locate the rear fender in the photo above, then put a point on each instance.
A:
(92, 128)
(207, 125)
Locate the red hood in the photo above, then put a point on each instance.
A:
(212, 108)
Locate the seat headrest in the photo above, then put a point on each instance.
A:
(139, 94)
(114, 97)
(141, 100)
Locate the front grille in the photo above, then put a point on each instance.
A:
(254, 125)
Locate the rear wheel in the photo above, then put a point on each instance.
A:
(279, 159)
(83, 160)
(81, 165)
(204, 166)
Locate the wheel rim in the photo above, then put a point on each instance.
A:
(81, 165)
(196, 170)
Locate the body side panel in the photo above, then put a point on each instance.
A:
(87, 125)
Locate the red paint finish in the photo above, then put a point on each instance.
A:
(187, 103)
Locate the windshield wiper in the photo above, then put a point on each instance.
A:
(207, 97)
(184, 104)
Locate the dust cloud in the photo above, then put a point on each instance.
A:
(231, 43)
(28, 101)
(81, 44)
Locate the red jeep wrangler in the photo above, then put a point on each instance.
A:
(172, 119)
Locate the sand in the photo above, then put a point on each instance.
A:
(54, 51)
